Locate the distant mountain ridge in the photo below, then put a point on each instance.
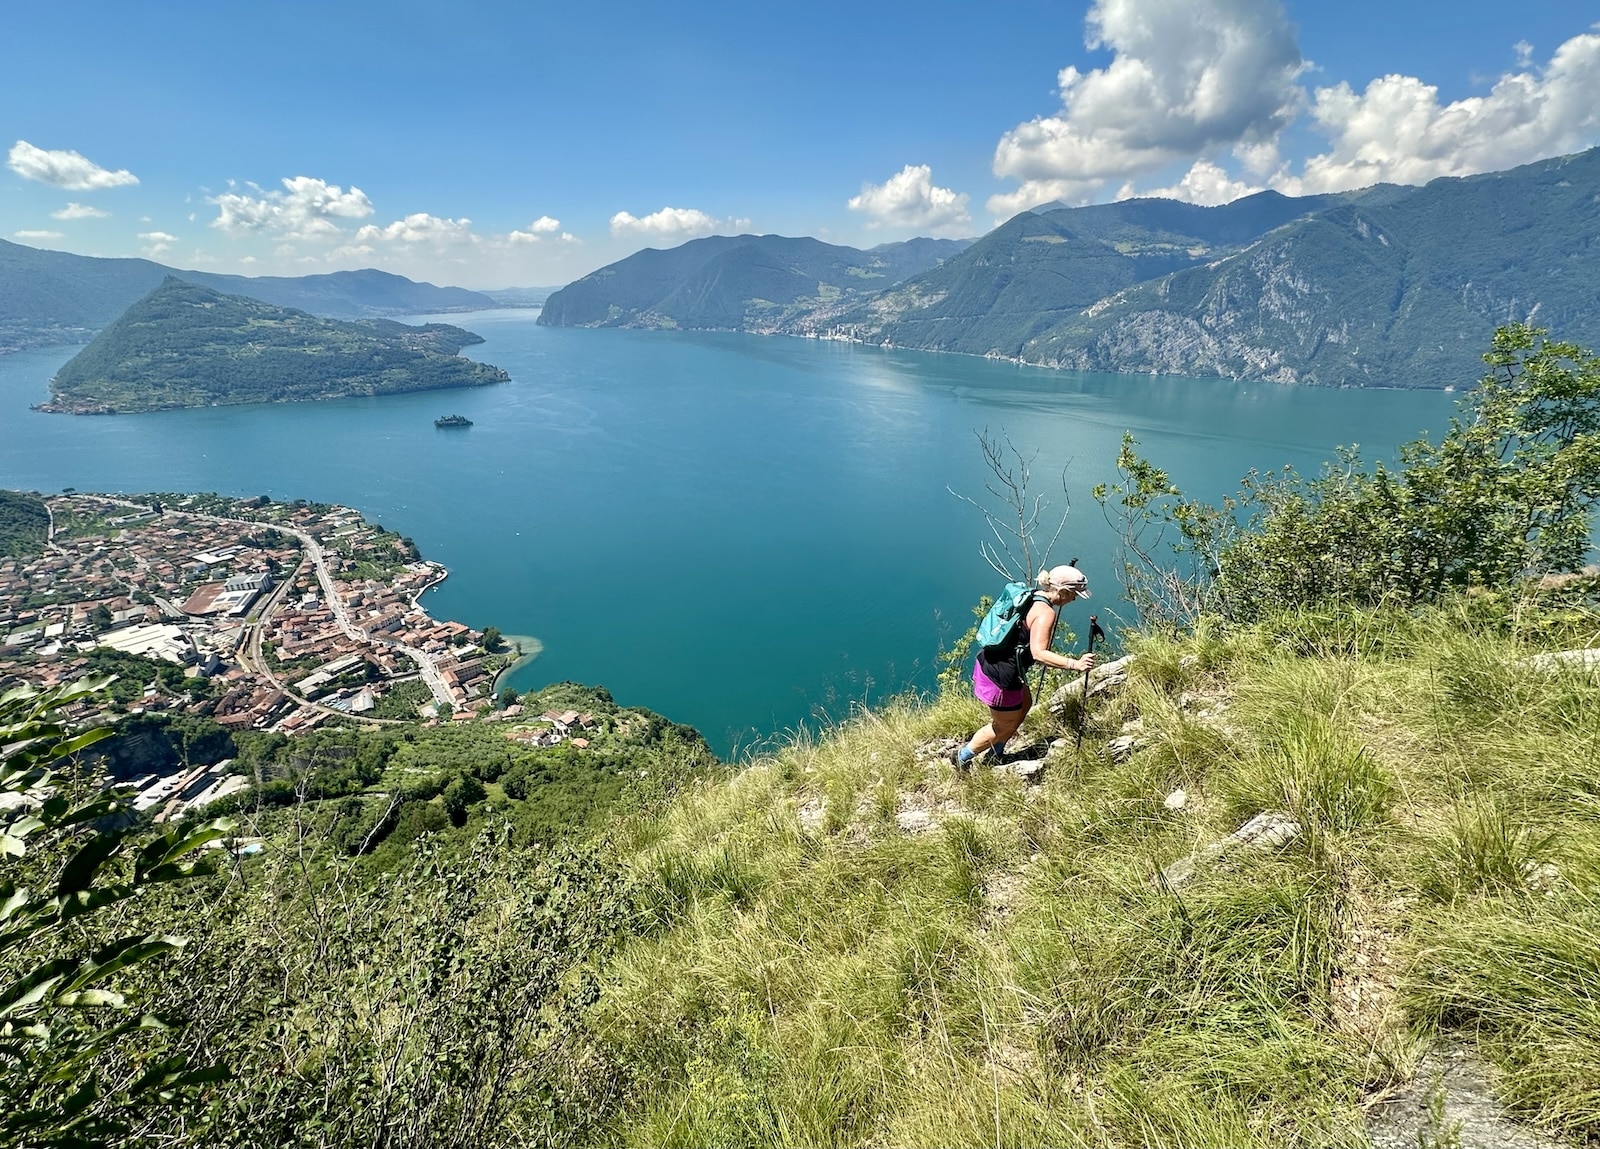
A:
(54, 297)
(184, 345)
(737, 283)
(1386, 286)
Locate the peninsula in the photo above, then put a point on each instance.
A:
(184, 345)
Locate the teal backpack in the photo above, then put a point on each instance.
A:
(1010, 606)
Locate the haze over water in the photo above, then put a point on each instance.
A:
(737, 532)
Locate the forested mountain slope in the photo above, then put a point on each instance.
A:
(740, 283)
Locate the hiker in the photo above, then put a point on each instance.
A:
(999, 675)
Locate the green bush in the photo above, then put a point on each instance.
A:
(1508, 492)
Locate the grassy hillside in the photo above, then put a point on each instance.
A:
(188, 346)
(849, 944)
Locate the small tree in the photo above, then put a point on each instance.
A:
(1016, 515)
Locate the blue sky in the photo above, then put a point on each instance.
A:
(496, 144)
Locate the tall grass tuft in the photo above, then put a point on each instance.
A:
(1527, 982)
(1317, 771)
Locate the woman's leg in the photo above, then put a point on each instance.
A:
(1002, 725)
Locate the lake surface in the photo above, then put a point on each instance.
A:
(738, 532)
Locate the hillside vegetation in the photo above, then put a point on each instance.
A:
(851, 944)
(1336, 811)
(24, 524)
(188, 346)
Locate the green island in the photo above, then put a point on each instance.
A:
(1313, 860)
(189, 346)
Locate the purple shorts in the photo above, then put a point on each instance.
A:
(992, 696)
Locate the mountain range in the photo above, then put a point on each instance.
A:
(763, 283)
(55, 297)
(1386, 286)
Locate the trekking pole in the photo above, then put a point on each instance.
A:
(1083, 709)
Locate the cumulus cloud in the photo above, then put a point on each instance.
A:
(157, 242)
(1204, 183)
(419, 227)
(909, 199)
(1186, 77)
(67, 170)
(305, 209)
(1398, 131)
(79, 211)
(673, 223)
(537, 230)
(37, 234)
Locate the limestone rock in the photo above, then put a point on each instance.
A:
(1565, 659)
(1122, 748)
(914, 821)
(1450, 1101)
(1267, 830)
(811, 815)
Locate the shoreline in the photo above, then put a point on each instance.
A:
(528, 649)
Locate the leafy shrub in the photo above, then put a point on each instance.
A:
(1509, 491)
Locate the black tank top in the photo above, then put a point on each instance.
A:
(1008, 661)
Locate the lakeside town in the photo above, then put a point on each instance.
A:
(259, 615)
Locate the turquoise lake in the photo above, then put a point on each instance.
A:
(742, 533)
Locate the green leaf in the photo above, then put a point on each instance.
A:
(151, 862)
(91, 999)
(121, 954)
(33, 986)
(79, 872)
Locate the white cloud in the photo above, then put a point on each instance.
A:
(37, 234)
(1186, 77)
(79, 211)
(305, 209)
(908, 199)
(157, 242)
(1397, 130)
(419, 227)
(1204, 183)
(66, 170)
(673, 223)
(537, 230)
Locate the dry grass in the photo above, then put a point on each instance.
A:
(1001, 966)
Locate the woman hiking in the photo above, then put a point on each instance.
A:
(999, 676)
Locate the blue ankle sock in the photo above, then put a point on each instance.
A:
(997, 751)
(964, 755)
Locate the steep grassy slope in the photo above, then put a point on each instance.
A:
(852, 945)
